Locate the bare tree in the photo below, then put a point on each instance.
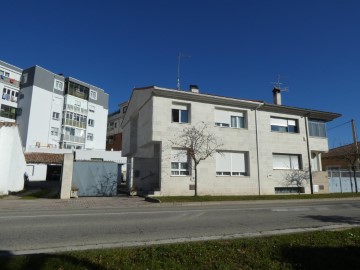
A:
(199, 143)
(298, 178)
(350, 155)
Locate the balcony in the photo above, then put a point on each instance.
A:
(71, 122)
(76, 109)
(9, 98)
(72, 138)
(10, 81)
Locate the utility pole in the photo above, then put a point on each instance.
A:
(356, 165)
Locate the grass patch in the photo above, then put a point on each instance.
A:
(256, 197)
(316, 250)
(43, 193)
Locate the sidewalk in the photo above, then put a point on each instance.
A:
(14, 203)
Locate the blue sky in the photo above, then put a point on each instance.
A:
(237, 48)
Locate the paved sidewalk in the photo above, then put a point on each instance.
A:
(79, 203)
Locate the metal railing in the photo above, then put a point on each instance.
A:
(74, 123)
(72, 138)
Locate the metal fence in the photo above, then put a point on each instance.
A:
(343, 181)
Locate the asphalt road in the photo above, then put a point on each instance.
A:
(35, 231)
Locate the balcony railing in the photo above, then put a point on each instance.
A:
(74, 123)
(72, 138)
(9, 98)
(75, 109)
(9, 81)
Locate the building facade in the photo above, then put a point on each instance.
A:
(261, 143)
(59, 112)
(10, 86)
(114, 131)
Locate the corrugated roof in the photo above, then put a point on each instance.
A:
(44, 158)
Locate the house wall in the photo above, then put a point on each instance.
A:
(36, 172)
(150, 122)
(12, 160)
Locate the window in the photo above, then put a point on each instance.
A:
(8, 111)
(91, 108)
(58, 85)
(180, 114)
(7, 74)
(93, 94)
(115, 125)
(232, 119)
(54, 131)
(284, 125)
(24, 78)
(179, 162)
(231, 163)
(124, 109)
(56, 116)
(286, 161)
(317, 128)
(90, 137)
(91, 122)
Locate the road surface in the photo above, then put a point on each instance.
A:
(36, 231)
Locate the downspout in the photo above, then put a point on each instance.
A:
(257, 148)
(308, 152)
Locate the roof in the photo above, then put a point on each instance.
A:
(7, 124)
(261, 105)
(347, 149)
(44, 158)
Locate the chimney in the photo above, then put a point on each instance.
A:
(194, 88)
(277, 96)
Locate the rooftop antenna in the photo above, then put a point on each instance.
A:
(180, 55)
(278, 84)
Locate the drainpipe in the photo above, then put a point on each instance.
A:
(308, 152)
(257, 148)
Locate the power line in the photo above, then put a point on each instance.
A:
(339, 125)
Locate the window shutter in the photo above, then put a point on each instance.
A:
(222, 116)
(179, 107)
(281, 162)
(238, 162)
(223, 162)
(291, 122)
(279, 122)
(294, 162)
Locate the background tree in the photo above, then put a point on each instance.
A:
(298, 178)
(199, 143)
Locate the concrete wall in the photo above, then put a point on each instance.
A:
(36, 172)
(12, 160)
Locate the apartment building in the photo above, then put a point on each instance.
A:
(114, 131)
(59, 112)
(10, 86)
(261, 143)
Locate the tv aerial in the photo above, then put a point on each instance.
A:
(279, 85)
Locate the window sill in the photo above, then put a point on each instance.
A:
(285, 132)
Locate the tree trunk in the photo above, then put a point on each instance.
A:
(196, 180)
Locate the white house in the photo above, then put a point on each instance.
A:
(9, 85)
(12, 160)
(261, 142)
(59, 112)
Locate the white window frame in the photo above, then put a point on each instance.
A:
(223, 118)
(289, 161)
(180, 165)
(231, 168)
(284, 122)
(54, 114)
(93, 94)
(180, 108)
(58, 85)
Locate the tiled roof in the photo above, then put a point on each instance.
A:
(348, 149)
(7, 124)
(45, 158)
